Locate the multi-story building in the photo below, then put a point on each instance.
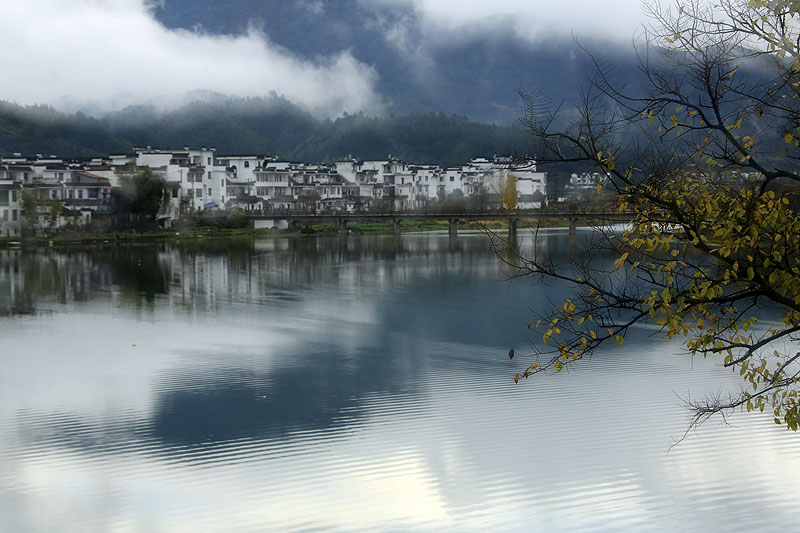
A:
(84, 191)
(10, 205)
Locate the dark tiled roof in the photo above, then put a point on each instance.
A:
(90, 175)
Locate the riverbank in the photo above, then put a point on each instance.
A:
(367, 227)
(126, 237)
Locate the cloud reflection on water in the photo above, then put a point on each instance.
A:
(344, 384)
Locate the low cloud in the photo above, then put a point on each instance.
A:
(106, 54)
(615, 20)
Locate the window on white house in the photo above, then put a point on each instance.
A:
(247, 164)
(80, 194)
(14, 215)
(452, 178)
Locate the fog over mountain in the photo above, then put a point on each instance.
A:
(302, 79)
(99, 56)
(463, 58)
(329, 57)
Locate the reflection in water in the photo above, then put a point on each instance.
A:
(229, 404)
(345, 383)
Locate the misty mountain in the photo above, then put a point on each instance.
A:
(475, 73)
(43, 130)
(269, 126)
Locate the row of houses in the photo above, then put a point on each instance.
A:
(199, 179)
(66, 191)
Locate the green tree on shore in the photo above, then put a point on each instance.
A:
(140, 197)
(29, 210)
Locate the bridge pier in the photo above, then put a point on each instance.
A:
(452, 227)
(573, 227)
(342, 226)
(512, 230)
(397, 226)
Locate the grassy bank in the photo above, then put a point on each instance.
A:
(122, 237)
(365, 227)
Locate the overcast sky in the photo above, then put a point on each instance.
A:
(112, 53)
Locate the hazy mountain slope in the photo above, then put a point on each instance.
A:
(42, 130)
(269, 126)
(473, 74)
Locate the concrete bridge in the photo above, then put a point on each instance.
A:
(295, 219)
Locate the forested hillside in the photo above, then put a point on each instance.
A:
(269, 126)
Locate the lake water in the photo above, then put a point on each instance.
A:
(348, 383)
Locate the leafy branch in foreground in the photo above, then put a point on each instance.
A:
(706, 160)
